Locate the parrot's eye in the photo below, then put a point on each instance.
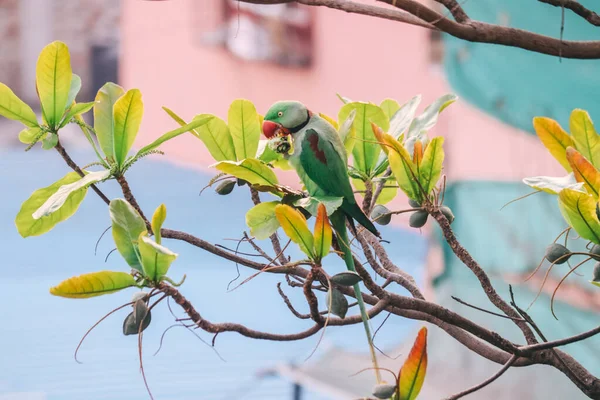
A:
(280, 114)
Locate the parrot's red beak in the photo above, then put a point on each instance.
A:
(270, 128)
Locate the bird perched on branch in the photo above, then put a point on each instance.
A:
(320, 159)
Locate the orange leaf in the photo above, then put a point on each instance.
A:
(584, 171)
(412, 373)
(418, 153)
(554, 138)
(323, 233)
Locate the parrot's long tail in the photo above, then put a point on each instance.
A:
(338, 220)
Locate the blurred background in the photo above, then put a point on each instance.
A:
(196, 56)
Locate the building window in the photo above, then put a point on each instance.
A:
(279, 33)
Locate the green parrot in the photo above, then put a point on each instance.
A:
(320, 159)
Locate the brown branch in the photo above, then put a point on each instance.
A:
(217, 328)
(456, 10)
(464, 256)
(311, 299)
(397, 278)
(63, 153)
(480, 32)
(561, 342)
(483, 384)
(402, 278)
(577, 8)
(131, 199)
(379, 189)
(419, 14)
(368, 196)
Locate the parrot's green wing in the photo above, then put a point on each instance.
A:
(327, 168)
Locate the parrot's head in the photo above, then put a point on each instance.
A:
(285, 118)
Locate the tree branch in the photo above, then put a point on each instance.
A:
(464, 256)
(577, 8)
(483, 384)
(63, 153)
(416, 13)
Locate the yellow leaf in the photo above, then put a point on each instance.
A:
(323, 233)
(584, 171)
(53, 80)
(403, 168)
(127, 114)
(28, 135)
(160, 214)
(412, 374)
(104, 123)
(330, 120)
(554, 138)
(14, 108)
(93, 284)
(585, 136)
(579, 210)
(295, 227)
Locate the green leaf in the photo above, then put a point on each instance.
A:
(262, 221)
(389, 107)
(295, 227)
(28, 135)
(323, 233)
(73, 91)
(337, 303)
(158, 219)
(174, 133)
(214, 134)
(430, 169)
(104, 124)
(58, 199)
(127, 226)
(53, 76)
(245, 128)
(366, 150)
(50, 141)
(401, 120)
(14, 108)
(127, 115)
(579, 210)
(251, 170)
(347, 132)
(311, 204)
(587, 140)
(266, 154)
(93, 284)
(424, 122)
(156, 259)
(28, 226)
(76, 109)
(554, 185)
